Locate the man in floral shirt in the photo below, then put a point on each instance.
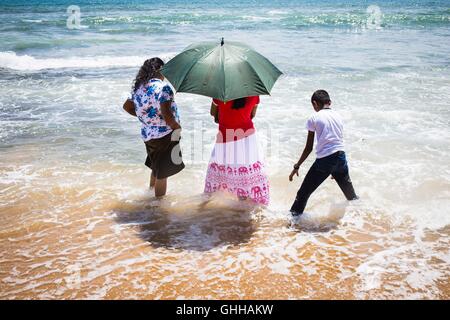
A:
(152, 102)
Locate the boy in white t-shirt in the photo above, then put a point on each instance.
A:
(326, 126)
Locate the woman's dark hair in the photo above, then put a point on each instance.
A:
(149, 70)
(239, 103)
(321, 97)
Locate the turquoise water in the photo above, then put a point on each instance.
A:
(70, 154)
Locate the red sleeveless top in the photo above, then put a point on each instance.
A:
(235, 124)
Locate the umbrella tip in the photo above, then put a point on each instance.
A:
(222, 42)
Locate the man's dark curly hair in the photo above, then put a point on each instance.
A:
(149, 70)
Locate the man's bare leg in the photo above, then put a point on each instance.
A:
(160, 187)
(152, 180)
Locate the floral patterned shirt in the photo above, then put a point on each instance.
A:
(147, 103)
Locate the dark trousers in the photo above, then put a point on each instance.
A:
(335, 165)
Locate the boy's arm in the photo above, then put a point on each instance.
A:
(308, 149)
(128, 106)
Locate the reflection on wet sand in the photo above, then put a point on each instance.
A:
(198, 223)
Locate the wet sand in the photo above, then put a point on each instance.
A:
(66, 233)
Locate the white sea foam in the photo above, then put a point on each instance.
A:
(11, 60)
(33, 20)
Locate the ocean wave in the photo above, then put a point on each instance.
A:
(26, 44)
(281, 18)
(33, 20)
(357, 19)
(168, 19)
(130, 22)
(10, 60)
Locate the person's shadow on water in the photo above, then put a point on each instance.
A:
(195, 223)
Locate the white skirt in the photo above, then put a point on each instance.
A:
(238, 167)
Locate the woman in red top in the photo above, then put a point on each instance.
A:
(236, 164)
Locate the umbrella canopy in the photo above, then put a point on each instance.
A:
(225, 70)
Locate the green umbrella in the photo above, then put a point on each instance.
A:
(226, 71)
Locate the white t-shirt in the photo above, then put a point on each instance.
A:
(328, 128)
